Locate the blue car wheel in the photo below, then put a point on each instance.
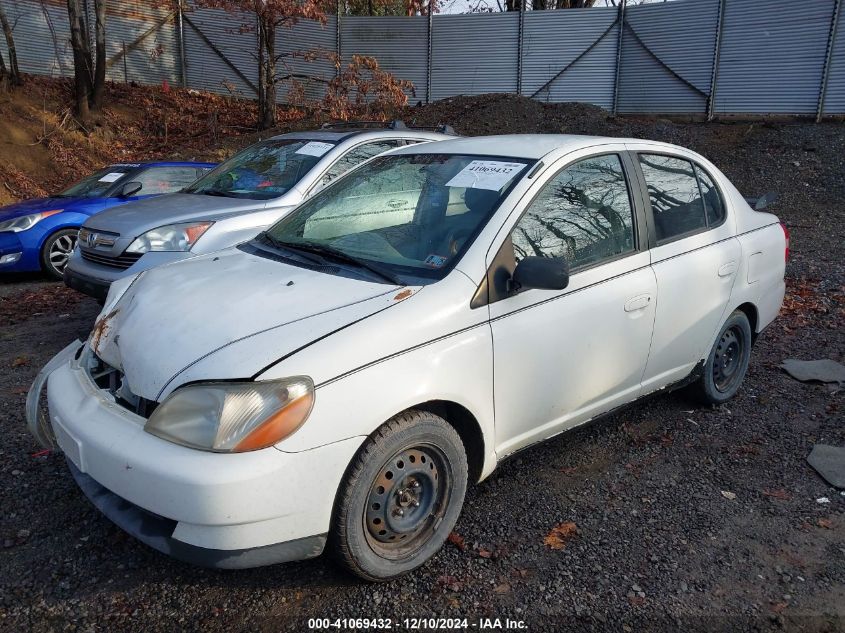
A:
(56, 251)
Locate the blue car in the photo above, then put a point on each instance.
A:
(41, 234)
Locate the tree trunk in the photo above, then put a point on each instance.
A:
(4, 75)
(13, 70)
(267, 72)
(82, 77)
(96, 101)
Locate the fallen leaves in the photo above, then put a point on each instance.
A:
(805, 304)
(780, 494)
(457, 540)
(826, 523)
(20, 361)
(560, 535)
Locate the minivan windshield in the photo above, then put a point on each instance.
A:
(403, 214)
(98, 183)
(262, 171)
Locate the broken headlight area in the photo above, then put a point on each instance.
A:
(112, 380)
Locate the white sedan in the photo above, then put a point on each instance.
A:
(339, 380)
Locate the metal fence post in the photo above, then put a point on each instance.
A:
(337, 42)
(428, 63)
(831, 40)
(621, 20)
(520, 43)
(717, 51)
(180, 38)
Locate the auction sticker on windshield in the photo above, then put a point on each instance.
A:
(112, 176)
(314, 148)
(485, 174)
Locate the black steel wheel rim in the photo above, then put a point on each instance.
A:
(407, 501)
(727, 360)
(60, 251)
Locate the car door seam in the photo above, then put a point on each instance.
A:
(568, 294)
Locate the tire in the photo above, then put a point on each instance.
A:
(727, 363)
(400, 498)
(56, 251)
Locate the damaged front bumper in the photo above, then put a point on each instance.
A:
(227, 510)
(36, 421)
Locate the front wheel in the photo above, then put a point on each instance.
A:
(401, 497)
(56, 252)
(727, 363)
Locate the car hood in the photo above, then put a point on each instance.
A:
(141, 216)
(34, 206)
(175, 315)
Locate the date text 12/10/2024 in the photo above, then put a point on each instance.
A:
(416, 624)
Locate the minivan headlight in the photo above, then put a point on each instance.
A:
(24, 222)
(172, 237)
(233, 417)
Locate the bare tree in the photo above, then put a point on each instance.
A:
(12, 72)
(89, 77)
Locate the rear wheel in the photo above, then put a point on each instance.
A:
(56, 252)
(401, 497)
(727, 363)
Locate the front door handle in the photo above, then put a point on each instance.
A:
(726, 270)
(637, 303)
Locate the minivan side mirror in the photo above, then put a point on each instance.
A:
(544, 273)
(129, 189)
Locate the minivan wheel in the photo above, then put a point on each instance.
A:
(57, 250)
(400, 498)
(727, 363)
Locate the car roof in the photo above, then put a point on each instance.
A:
(344, 134)
(163, 163)
(530, 146)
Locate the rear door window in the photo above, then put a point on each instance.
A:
(675, 197)
(713, 205)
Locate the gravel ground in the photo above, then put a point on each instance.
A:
(650, 539)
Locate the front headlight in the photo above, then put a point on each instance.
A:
(16, 225)
(173, 237)
(233, 417)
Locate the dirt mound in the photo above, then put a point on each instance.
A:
(511, 114)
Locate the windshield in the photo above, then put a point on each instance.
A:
(262, 171)
(97, 184)
(412, 214)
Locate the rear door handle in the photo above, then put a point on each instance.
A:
(637, 303)
(725, 270)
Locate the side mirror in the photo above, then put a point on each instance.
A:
(129, 189)
(544, 273)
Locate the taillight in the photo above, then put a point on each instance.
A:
(786, 238)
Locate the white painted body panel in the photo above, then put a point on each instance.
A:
(526, 367)
(221, 501)
(587, 352)
(205, 306)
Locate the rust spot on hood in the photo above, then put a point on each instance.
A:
(407, 292)
(101, 328)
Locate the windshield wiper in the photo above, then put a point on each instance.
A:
(280, 245)
(214, 192)
(330, 252)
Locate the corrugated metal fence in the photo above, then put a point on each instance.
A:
(705, 57)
